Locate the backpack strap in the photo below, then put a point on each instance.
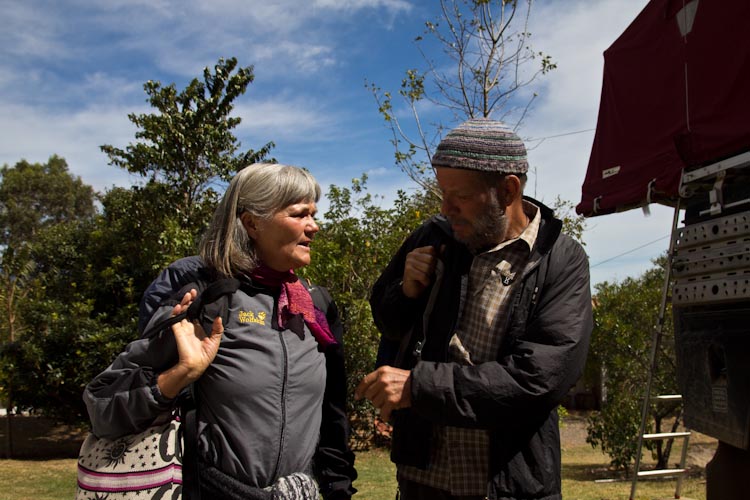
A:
(209, 292)
(208, 295)
(320, 299)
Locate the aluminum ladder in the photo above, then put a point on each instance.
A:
(656, 340)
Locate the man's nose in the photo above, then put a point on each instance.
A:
(447, 207)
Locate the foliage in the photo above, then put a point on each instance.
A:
(188, 143)
(16, 268)
(572, 224)
(38, 195)
(35, 199)
(625, 316)
(72, 288)
(485, 48)
(63, 348)
(356, 241)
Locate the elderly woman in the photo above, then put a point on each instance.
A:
(269, 414)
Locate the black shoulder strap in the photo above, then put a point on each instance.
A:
(210, 294)
(320, 299)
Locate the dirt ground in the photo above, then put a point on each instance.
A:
(42, 438)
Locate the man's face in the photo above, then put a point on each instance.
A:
(476, 214)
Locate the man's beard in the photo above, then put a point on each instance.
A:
(488, 230)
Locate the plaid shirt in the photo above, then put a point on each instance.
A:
(459, 462)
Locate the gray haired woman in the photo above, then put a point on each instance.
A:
(269, 384)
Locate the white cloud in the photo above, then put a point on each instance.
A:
(35, 135)
(393, 6)
(283, 119)
(29, 33)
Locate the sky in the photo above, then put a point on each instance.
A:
(72, 70)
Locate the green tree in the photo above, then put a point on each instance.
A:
(34, 198)
(89, 273)
(625, 315)
(184, 150)
(356, 240)
(38, 195)
(188, 143)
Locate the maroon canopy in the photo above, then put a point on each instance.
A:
(675, 94)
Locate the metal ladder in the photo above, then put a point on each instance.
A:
(656, 340)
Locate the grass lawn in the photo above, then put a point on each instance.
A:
(585, 474)
(38, 479)
(55, 479)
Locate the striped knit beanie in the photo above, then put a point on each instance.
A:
(482, 144)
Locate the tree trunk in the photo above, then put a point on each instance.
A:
(9, 425)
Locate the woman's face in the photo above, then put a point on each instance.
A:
(283, 241)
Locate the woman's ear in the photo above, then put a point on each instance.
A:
(250, 224)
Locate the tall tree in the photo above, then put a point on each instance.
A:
(34, 198)
(91, 272)
(356, 240)
(38, 195)
(624, 320)
(188, 143)
(485, 61)
(183, 149)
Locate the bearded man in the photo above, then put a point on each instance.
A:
(491, 306)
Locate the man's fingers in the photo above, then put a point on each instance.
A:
(363, 386)
(420, 264)
(385, 413)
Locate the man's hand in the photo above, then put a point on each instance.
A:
(418, 270)
(388, 388)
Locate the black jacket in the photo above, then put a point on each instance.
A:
(515, 397)
(333, 464)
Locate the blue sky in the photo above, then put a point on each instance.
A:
(72, 70)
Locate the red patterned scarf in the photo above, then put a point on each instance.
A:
(295, 299)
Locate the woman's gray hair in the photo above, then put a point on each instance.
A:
(261, 189)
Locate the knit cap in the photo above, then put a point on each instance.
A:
(482, 144)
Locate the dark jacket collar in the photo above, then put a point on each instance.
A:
(549, 229)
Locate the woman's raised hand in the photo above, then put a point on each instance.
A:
(195, 349)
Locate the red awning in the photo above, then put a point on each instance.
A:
(675, 94)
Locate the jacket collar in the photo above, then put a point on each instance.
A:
(549, 229)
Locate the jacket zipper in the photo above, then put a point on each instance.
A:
(282, 429)
(516, 298)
